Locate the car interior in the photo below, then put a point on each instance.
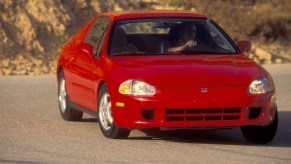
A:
(154, 42)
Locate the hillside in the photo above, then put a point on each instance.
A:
(32, 32)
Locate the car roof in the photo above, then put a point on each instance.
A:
(151, 13)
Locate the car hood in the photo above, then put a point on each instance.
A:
(187, 70)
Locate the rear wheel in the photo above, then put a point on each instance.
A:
(106, 121)
(261, 134)
(66, 111)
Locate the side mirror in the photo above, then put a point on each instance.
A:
(86, 48)
(244, 45)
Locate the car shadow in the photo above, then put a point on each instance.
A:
(223, 136)
(88, 120)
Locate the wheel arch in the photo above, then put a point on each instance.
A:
(100, 84)
(59, 69)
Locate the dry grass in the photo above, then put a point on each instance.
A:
(260, 20)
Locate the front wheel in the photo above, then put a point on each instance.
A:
(106, 121)
(260, 134)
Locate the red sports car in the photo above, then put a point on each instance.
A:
(164, 69)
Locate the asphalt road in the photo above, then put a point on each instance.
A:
(32, 131)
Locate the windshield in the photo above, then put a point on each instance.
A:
(168, 36)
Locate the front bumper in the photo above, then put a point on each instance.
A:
(181, 108)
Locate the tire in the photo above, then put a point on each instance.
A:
(260, 134)
(106, 121)
(67, 113)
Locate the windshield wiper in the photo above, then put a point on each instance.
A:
(134, 53)
(129, 53)
(197, 52)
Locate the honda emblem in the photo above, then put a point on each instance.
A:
(204, 90)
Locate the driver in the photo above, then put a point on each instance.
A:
(187, 33)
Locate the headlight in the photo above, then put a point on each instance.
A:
(136, 88)
(261, 85)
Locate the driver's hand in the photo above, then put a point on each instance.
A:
(191, 43)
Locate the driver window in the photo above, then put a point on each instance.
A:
(218, 40)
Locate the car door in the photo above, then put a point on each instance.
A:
(83, 66)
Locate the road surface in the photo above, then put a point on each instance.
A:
(32, 131)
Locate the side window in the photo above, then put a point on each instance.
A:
(101, 44)
(96, 32)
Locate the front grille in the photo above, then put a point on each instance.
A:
(213, 114)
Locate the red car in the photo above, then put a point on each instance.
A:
(164, 69)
